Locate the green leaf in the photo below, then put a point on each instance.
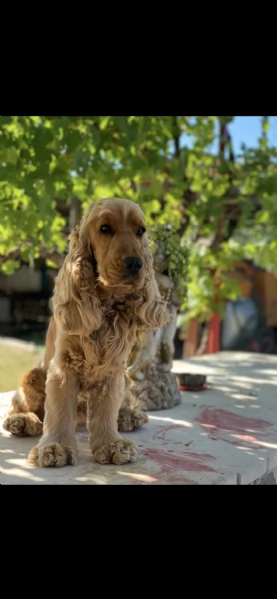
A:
(51, 264)
(9, 267)
(11, 155)
(104, 122)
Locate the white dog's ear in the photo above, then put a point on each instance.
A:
(76, 307)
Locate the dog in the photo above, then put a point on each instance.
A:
(104, 294)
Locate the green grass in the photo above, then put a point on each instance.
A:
(15, 361)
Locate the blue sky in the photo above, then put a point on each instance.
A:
(247, 129)
(243, 129)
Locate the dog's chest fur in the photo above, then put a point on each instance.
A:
(106, 351)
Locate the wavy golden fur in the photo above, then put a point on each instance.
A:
(105, 291)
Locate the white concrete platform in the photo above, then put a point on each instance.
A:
(226, 434)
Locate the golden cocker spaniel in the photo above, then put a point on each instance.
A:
(105, 291)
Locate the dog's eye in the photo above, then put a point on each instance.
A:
(107, 230)
(140, 231)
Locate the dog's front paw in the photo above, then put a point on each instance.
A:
(23, 425)
(129, 420)
(119, 452)
(53, 455)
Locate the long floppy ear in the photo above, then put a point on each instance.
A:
(76, 307)
(149, 307)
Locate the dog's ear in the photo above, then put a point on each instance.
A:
(76, 307)
(149, 307)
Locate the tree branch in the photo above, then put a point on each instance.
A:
(45, 254)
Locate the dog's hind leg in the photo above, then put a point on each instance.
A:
(81, 412)
(130, 415)
(25, 415)
(26, 412)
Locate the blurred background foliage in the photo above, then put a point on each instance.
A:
(223, 208)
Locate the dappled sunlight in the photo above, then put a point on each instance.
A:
(20, 462)
(98, 480)
(254, 380)
(231, 364)
(4, 433)
(251, 453)
(220, 387)
(21, 474)
(242, 397)
(250, 439)
(173, 421)
(247, 383)
(141, 477)
(245, 407)
(180, 366)
(269, 372)
(242, 448)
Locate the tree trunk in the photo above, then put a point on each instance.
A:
(155, 387)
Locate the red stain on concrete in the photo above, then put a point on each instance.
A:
(168, 480)
(174, 464)
(216, 421)
(189, 462)
(228, 421)
(160, 434)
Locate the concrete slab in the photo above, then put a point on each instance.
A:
(226, 434)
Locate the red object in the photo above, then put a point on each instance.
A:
(214, 334)
(183, 388)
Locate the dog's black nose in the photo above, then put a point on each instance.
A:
(132, 265)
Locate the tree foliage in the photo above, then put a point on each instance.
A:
(162, 162)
